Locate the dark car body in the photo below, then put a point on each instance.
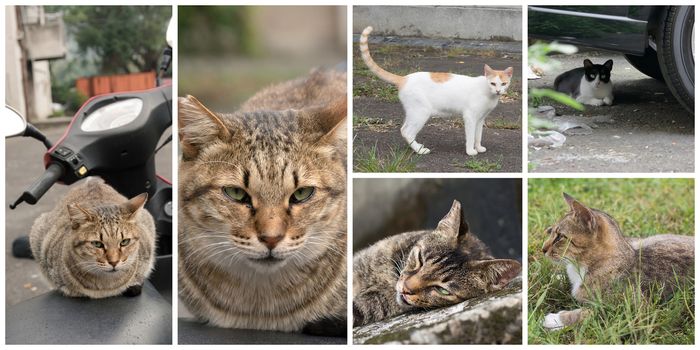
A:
(616, 28)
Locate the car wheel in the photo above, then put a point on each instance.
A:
(647, 64)
(675, 51)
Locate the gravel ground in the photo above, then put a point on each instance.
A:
(651, 130)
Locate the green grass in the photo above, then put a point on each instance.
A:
(396, 160)
(480, 165)
(643, 207)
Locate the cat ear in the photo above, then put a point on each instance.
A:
(587, 63)
(608, 64)
(78, 215)
(497, 272)
(134, 204)
(328, 121)
(509, 72)
(198, 126)
(487, 70)
(581, 212)
(454, 224)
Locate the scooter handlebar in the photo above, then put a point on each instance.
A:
(32, 194)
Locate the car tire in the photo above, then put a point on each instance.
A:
(675, 53)
(647, 64)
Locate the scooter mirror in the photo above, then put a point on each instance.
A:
(170, 33)
(13, 124)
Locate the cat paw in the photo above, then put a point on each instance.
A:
(472, 152)
(594, 102)
(552, 322)
(608, 101)
(423, 150)
(480, 149)
(132, 291)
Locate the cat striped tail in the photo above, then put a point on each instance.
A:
(373, 66)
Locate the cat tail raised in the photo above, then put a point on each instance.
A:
(373, 66)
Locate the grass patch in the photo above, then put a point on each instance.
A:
(480, 165)
(396, 160)
(642, 207)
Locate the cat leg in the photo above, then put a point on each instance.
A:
(371, 306)
(414, 122)
(470, 132)
(608, 100)
(477, 136)
(590, 101)
(555, 322)
(133, 291)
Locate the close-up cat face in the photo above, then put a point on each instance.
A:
(105, 239)
(597, 73)
(266, 188)
(499, 80)
(439, 271)
(578, 234)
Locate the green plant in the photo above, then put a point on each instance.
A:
(480, 165)
(396, 160)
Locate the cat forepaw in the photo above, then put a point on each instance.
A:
(480, 149)
(472, 152)
(608, 101)
(552, 322)
(419, 148)
(595, 102)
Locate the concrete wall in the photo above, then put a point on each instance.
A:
(14, 89)
(464, 22)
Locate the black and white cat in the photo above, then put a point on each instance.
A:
(589, 84)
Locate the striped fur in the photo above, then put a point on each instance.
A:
(288, 136)
(62, 242)
(403, 272)
(373, 66)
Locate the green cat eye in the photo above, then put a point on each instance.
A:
(443, 291)
(124, 242)
(301, 195)
(237, 194)
(97, 244)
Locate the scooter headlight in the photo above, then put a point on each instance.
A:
(113, 115)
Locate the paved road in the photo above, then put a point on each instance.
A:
(651, 130)
(23, 279)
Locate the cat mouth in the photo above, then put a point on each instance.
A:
(267, 260)
(402, 300)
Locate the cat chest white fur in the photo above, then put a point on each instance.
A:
(576, 275)
(588, 89)
(457, 94)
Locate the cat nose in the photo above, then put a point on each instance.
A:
(270, 241)
(113, 263)
(406, 290)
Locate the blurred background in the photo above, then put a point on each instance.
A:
(493, 208)
(228, 53)
(56, 57)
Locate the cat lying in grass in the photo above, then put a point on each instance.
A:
(425, 94)
(597, 256)
(443, 267)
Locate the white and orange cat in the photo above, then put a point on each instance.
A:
(424, 94)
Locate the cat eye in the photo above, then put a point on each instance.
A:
(301, 195)
(125, 242)
(443, 291)
(503, 84)
(494, 84)
(237, 194)
(97, 244)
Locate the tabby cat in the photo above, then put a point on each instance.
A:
(443, 267)
(262, 233)
(596, 254)
(95, 243)
(424, 94)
